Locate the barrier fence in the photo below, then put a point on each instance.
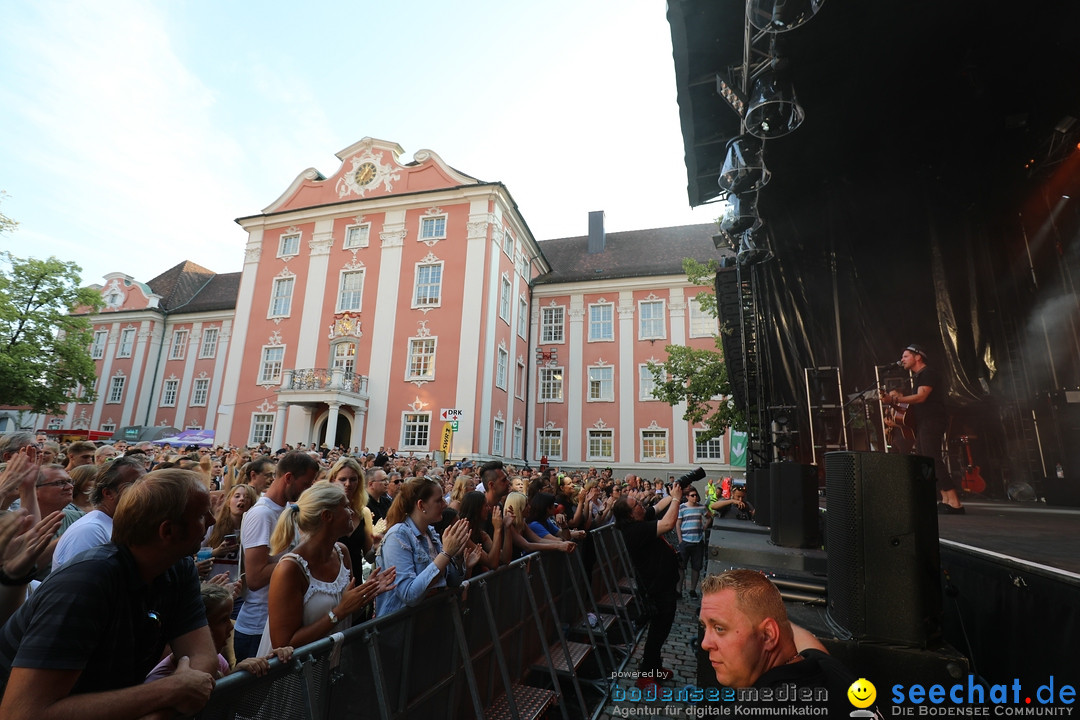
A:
(541, 635)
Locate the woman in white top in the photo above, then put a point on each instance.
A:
(312, 590)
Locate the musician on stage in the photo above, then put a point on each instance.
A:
(927, 410)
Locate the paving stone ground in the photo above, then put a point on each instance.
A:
(679, 656)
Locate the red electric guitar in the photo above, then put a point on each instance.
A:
(973, 481)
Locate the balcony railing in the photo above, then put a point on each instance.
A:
(320, 379)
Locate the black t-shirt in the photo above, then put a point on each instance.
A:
(818, 673)
(379, 507)
(655, 561)
(934, 406)
(96, 615)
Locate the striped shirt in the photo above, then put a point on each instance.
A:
(692, 523)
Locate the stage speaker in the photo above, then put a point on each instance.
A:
(794, 501)
(729, 309)
(881, 545)
(758, 493)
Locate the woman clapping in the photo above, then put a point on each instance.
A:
(313, 592)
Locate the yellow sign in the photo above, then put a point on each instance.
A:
(447, 437)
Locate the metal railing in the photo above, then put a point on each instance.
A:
(325, 379)
(513, 642)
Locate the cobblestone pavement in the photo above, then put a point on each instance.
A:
(678, 656)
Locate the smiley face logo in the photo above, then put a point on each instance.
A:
(862, 693)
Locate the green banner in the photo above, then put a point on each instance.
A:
(738, 449)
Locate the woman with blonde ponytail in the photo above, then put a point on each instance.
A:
(312, 591)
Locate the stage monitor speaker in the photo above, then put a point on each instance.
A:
(758, 493)
(881, 545)
(794, 501)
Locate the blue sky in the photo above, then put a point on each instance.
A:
(134, 133)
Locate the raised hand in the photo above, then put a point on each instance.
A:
(23, 551)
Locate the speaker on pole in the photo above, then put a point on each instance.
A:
(881, 544)
(794, 499)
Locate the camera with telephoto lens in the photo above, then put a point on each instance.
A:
(685, 480)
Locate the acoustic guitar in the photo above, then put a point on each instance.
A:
(896, 418)
(973, 480)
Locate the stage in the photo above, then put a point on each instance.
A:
(1010, 590)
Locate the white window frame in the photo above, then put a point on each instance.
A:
(505, 290)
(716, 443)
(178, 349)
(427, 301)
(169, 390)
(498, 437)
(519, 437)
(415, 420)
(650, 332)
(596, 383)
(653, 434)
(414, 342)
(646, 381)
(508, 244)
(519, 380)
(552, 333)
(502, 368)
(599, 323)
(289, 244)
(116, 390)
(126, 344)
(599, 433)
(343, 361)
(362, 236)
(267, 363)
(700, 318)
(523, 318)
(280, 303)
(208, 347)
(357, 294)
(200, 391)
(97, 347)
(108, 427)
(262, 428)
(550, 381)
(543, 437)
(430, 228)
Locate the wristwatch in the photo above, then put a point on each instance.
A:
(333, 618)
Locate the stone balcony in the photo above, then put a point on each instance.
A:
(317, 385)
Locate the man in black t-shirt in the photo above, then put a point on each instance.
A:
(83, 643)
(657, 567)
(930, 419)
(754, 648)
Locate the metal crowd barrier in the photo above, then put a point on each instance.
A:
(523, 640)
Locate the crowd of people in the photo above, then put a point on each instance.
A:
(180, 565)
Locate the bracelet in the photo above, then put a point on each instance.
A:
(8, 581)
(448, 555)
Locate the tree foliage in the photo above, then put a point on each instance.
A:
(697, 376)
(44, 353)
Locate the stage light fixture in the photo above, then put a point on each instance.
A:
(744, 167)
(742, 215)
(778, 16)
(774, 111)
(754, 246)
(731, 94)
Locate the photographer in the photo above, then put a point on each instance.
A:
(657, 569)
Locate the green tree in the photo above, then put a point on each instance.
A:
(697, 376)
(6, 223)
(44, 354)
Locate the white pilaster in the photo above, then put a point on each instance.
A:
(384, 324)
(626, 427)
(231, 382)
